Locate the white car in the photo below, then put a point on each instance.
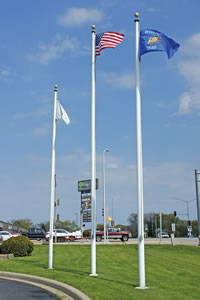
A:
(164, 235)
(61, 234)
(76, 234)
(5, 235)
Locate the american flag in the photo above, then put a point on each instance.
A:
(107, 40)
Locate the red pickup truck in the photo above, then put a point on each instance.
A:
(114, 233)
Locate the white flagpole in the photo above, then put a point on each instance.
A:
(141, 260)
(52, 184)
(93, 161)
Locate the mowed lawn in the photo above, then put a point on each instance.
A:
(171, 272)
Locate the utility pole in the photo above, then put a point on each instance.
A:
(160, 227)
(76, 215)
(104, 197)
(156, 227)
(197, 179)
(187, 206)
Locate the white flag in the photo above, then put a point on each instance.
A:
(61, 113)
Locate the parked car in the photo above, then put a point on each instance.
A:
(61, 234)
(76, 235)
(164, 234)
(189, 236)
(34, 234)
(5, 235)
(114, 233)
(15, 233)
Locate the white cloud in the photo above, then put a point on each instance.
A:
(4, 71)
(189, 68)
(185, 102)
(191, 46)
(19, 116)
(112, 166)
(160, 181)
(133, 167)
(58, 46)
(79, 16)
(152, 10)
(126, 80)
(41, 131)
(37, 160)
(171, 174)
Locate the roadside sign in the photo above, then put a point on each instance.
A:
(87, 210)
(85, 185)
(173, 227)
(87, 215)
(86, 199)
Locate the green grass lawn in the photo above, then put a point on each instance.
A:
(171, 272)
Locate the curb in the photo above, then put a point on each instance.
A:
(6, 256)
(60, 289)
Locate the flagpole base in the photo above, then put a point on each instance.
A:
(93, 275)
(142, 288)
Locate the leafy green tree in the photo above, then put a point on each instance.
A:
(121, 226)
(22, 224)
(152, 220)
(67, 225)
(100, 227)
(195, 227)
(44, 226)
(133, 220)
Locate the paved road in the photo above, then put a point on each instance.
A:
(178, 241)
(13, 290)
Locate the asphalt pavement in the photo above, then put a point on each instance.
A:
(14, 290)
(165, 241)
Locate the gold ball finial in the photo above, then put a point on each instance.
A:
(55, 86)
(93, 26)
(136, 14)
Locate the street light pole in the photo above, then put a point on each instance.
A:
(76, 215)
(160, 227)
(104, 196)
(187, 202)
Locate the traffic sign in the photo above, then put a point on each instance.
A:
(173, 227)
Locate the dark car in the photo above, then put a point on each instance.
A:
(35, 234)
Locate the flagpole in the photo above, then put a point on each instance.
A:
(93, 160)
(52, 184)
(141, 260)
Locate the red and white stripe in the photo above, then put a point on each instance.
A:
(109, 40)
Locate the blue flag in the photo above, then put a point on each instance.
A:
(153, 40)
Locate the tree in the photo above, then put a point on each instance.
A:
(22, 224)
(195, 227)
(44, 226)
(100, 227)
(133, 220)
(67, 225)
(152, 224)
(121, 226)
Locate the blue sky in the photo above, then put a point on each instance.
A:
(44, 43)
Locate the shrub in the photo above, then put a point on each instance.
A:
(87, 233)
(18, 246)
